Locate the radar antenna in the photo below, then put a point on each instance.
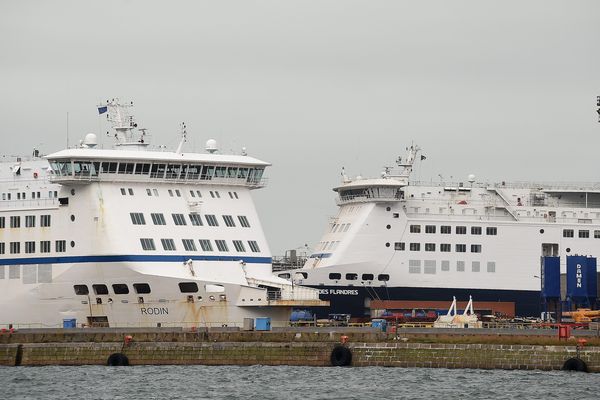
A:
(183, 137)
(123, 123)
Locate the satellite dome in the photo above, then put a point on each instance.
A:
(90, 140)
(211, 145)
(471, 178)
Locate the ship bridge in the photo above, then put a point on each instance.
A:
(370, 190)
(77, 166)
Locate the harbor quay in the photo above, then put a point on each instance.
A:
(510, 349)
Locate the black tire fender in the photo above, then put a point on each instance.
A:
(117, 360)
(341, 356)
(575, 364)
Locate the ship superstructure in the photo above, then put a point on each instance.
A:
(407, 244)
(136, 237)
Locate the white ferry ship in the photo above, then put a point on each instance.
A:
(399, 244)
(135, 237)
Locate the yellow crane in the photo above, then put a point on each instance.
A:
(582, 315)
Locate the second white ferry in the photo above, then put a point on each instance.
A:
(136, 237)
(401, 244)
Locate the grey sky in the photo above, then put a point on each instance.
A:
(502, 89)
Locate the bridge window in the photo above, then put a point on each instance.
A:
(193, 172)
(173, 171)
(108, 167)
(207, 172)
(126, 168)
(220, 172)
(158, 171)
(142, 169)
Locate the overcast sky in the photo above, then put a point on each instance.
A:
(505, 90)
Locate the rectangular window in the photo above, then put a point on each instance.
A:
(228, 220)
(2, 248)
(460, 266)
(149, 192)
(429, 267)
(446, 229)
(415, 247)
(211, 220)
(123, 192)
(15, 221)
(399, 246)
(475, 266)
(188, 244)
(491, 230)
(429, 246)
(30, 221)
(239, 246)
(178, 219)
(415, 229)
(243, 221)
(158, 219)
(60, 246)
(584, 234)
(196, 219)
(568, 233)
(596, 234)
(461, 230)
(491, 266)
(45, 246)
(221, 245)
(147, 244)
(168, 244)
(475, 248)
(2, 222)
(414, 266)
(29, 247)
(253, 246)
(45, 220)
(137, 218)
(445, 247)
(475, 230)
(130, 190)
(15, 247)
(445, 265)
(206, 245)
(429, 228)
(461, 248)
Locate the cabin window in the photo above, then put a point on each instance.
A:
(120, 288)
(179, 219)
(211, 220)
(596, 234)
(188, 287)
(147, 244)
(158, 219)
(100, 289)
(584, 234)
(335, 276)
(445, 265)
(367, 277)
(45, 246)
(221, 245)
(137, 218)
(206, 245)
(429, 246)
(383, 277)
(15, 221)
(141, 288)
(475, 248)
(445, 247)
(2, 222)
(491, 230)
(81, 290)
(491, 266)
(60, 246)
(244, 221)
(351, 277)
(461, 248)
(415, 229)
(253, 246)
(168, 244)
(30, 221)
(460, 266)
(475, 266)
(239, 246)
(429, 228)
(188, 244)
(568, 233)
(228, 220)
(461, 230)
(415, 246)
(196, 219)
(400, 246)
(445, 229)
(29, 247)
(123, 192)
(475, 230)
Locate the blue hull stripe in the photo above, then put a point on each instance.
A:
(130, 258)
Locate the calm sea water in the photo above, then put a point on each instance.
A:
(263, 382)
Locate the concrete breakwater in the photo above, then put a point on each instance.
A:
(367, 348)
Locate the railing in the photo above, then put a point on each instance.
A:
(514, 185)
(28, 204)
(256, 183)
(365, 199)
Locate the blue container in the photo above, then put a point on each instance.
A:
(262, 324)
(70, 323)
(581, 279)
(550, 274)
(379, 323)
(301, 315)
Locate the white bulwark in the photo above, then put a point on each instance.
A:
(136, 237)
